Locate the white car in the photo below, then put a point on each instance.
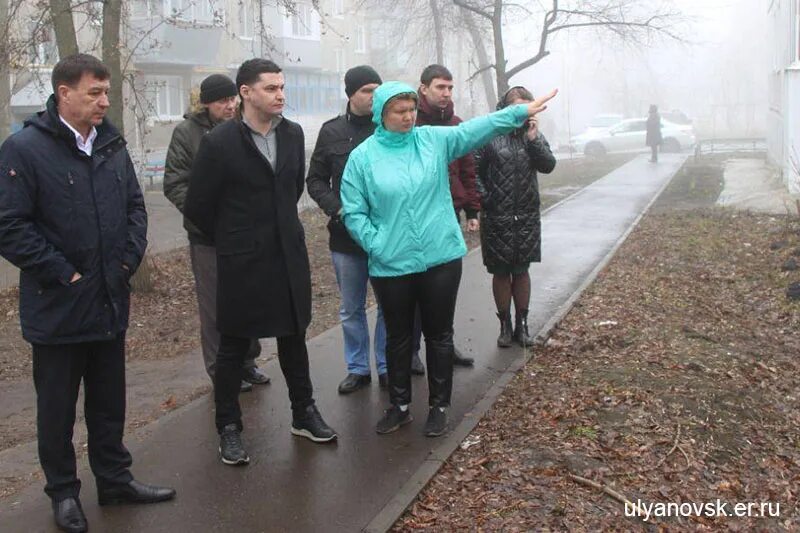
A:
(629, 135)
(603, 122)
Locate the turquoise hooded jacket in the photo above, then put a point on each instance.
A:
(395, 189)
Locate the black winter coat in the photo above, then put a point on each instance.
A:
(653, 137)
(263, 274)
(510, 219)
(182, 149)
(62, 212)
(337, 138)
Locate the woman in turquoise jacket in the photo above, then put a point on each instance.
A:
(396, 204)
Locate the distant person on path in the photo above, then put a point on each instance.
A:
(511, 231)
(337, 138)
(72, 219)
(246, 180)
(653, 139)
(396, 203)
(436, 108)
(218, 97)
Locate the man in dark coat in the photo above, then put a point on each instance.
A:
(219, 101)
(337, 138)
(436, 108)
(72, 218)
(246, 180)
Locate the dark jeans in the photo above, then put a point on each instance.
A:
(434, 291)
(293, 358)
(57, 374)
(204, 268)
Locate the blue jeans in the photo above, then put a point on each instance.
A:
(352, 277)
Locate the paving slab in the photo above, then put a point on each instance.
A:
(365, 480)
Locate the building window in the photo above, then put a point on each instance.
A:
(42, 48)
(337, 8)
(202, 11)
(147, 8)
(246, 20)
(340, 60)
(165, 97)
(303, 21)
(361, 39)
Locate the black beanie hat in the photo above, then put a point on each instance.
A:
(216, 87)
(357, 77)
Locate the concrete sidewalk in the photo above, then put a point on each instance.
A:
(365, 480)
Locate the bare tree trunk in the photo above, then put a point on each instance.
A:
(499, 48)
(64, 26)
(112, 12)
(5, 74)
(483, 58)
(437, 28)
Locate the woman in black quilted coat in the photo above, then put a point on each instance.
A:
(510, 220)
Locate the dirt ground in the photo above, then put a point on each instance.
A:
(674, 379)
(164, 324)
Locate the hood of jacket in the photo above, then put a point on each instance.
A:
(385, 92)
(201, 118)
(432, 115)
(49, 121)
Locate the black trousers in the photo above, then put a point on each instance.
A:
(57, 374)
(435, 292)
(293, 358)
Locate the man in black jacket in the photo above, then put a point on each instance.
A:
(337, 138)
(245, 183)
(219, 101)
(72, 218)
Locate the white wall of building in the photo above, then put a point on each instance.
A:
(783, 127)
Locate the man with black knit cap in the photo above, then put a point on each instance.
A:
(337, 138)
(218, 97)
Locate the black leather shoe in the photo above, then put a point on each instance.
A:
(133, 492)
(383, 381)
(308, 423)
(353, 382)
(69, 515)
(252, 375)
(246, 386)
(417, 368)
(460, 360)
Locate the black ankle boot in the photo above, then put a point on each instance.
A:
(504, 339)
(521, 334)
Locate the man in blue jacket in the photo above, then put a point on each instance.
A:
(72, 218)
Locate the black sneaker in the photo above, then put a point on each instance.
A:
(436, 423)
(231, 451)
(392, 419)
(308, 423)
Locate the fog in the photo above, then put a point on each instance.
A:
(716, 74)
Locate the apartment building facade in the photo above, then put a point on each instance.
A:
(783, 122)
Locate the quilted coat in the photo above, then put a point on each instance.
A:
(509, 188)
